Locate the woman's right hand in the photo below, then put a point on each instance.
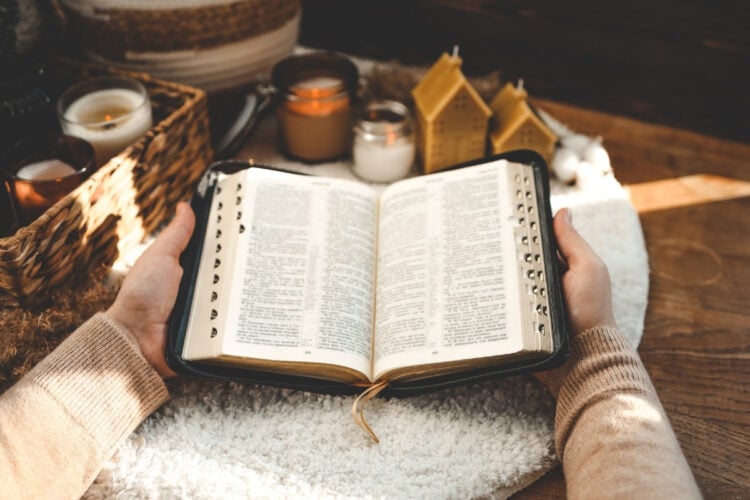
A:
(586, 283)
(587, 290)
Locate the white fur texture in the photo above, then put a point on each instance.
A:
(229, 440)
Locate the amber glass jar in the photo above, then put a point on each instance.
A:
(315, 95)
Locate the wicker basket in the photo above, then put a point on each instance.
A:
(126, 199)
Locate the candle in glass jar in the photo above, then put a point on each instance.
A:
(39, 185)
(110, 113)
(315, 119)
(314, 93)
(384, 142)
(41, 170)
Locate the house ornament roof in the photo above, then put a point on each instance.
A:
(441, 83)
(512, 110)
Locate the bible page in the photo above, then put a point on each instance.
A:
(303, 282)
(446, 283)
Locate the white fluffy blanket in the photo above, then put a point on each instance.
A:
(229, 440)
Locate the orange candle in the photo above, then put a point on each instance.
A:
(315, 119)
(314, 93)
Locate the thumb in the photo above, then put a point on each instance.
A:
(573, 248)
(175, 237)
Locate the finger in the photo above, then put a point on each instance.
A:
(573, 248)
(561, 261)
(175, 237)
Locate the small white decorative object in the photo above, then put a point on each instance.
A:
(588, 176)
(579, 158)
(595, 154)
(565, 164)
(576, 142)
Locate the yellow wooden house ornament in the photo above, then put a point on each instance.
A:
(517, 126)
(452, 119)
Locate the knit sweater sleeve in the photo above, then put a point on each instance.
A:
(61, 421)
(611, 432)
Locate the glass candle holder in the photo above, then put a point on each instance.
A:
(110, 112)
(315, 93)
(384, 142)
(41, 170)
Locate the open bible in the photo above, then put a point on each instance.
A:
(327, 284)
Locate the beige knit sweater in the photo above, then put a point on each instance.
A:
(68, 415)
(611, 433)
(61, 421)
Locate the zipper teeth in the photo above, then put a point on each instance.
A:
(473, 378)
(216, 373)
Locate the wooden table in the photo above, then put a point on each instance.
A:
(693, 196)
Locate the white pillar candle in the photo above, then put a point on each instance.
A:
(384, 146)
(45, 170)
(382, 162)
(110, 119)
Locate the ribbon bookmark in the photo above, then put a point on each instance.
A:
(358, 407)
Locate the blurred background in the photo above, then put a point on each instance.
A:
(683, 63)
